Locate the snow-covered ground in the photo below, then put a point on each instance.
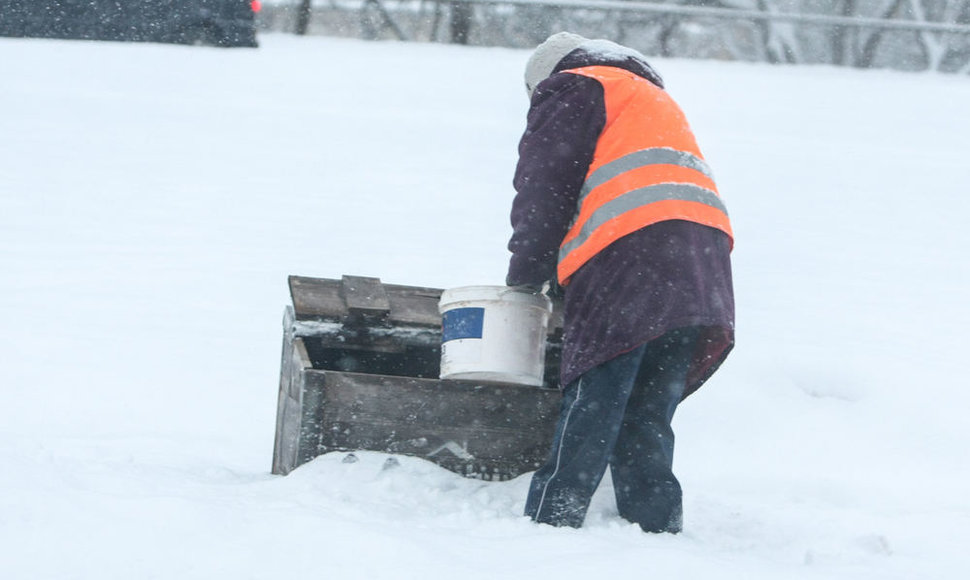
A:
(154, 198)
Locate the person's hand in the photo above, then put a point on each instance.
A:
(554, 291)
(549, 288)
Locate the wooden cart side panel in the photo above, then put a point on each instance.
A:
(289, 409)
(493, 431)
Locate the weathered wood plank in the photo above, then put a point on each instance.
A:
(317, 298)
(290, 404)
(414, 305)
(496, 431)
(365, 297)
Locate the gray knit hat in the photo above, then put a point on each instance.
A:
(547, 55)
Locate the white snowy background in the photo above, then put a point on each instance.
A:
(153, 200)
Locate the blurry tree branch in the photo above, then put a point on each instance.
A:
(909, 34)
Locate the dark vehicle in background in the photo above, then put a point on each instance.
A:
(208, 22)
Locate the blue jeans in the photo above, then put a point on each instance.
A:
(618, 415)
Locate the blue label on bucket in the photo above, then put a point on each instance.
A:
(462, 323)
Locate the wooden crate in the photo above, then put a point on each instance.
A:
(359, 371)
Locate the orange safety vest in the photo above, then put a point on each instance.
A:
(647, 168)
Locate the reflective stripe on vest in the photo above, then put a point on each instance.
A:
(647, 168)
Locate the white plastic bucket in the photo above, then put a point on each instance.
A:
(494, 333)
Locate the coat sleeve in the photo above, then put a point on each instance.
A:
(565, 120)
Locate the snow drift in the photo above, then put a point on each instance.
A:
(154, 198)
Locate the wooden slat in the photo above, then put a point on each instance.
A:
(317, 298)
(414, 305)
(365, 297)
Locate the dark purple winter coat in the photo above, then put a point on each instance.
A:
(667, 275)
